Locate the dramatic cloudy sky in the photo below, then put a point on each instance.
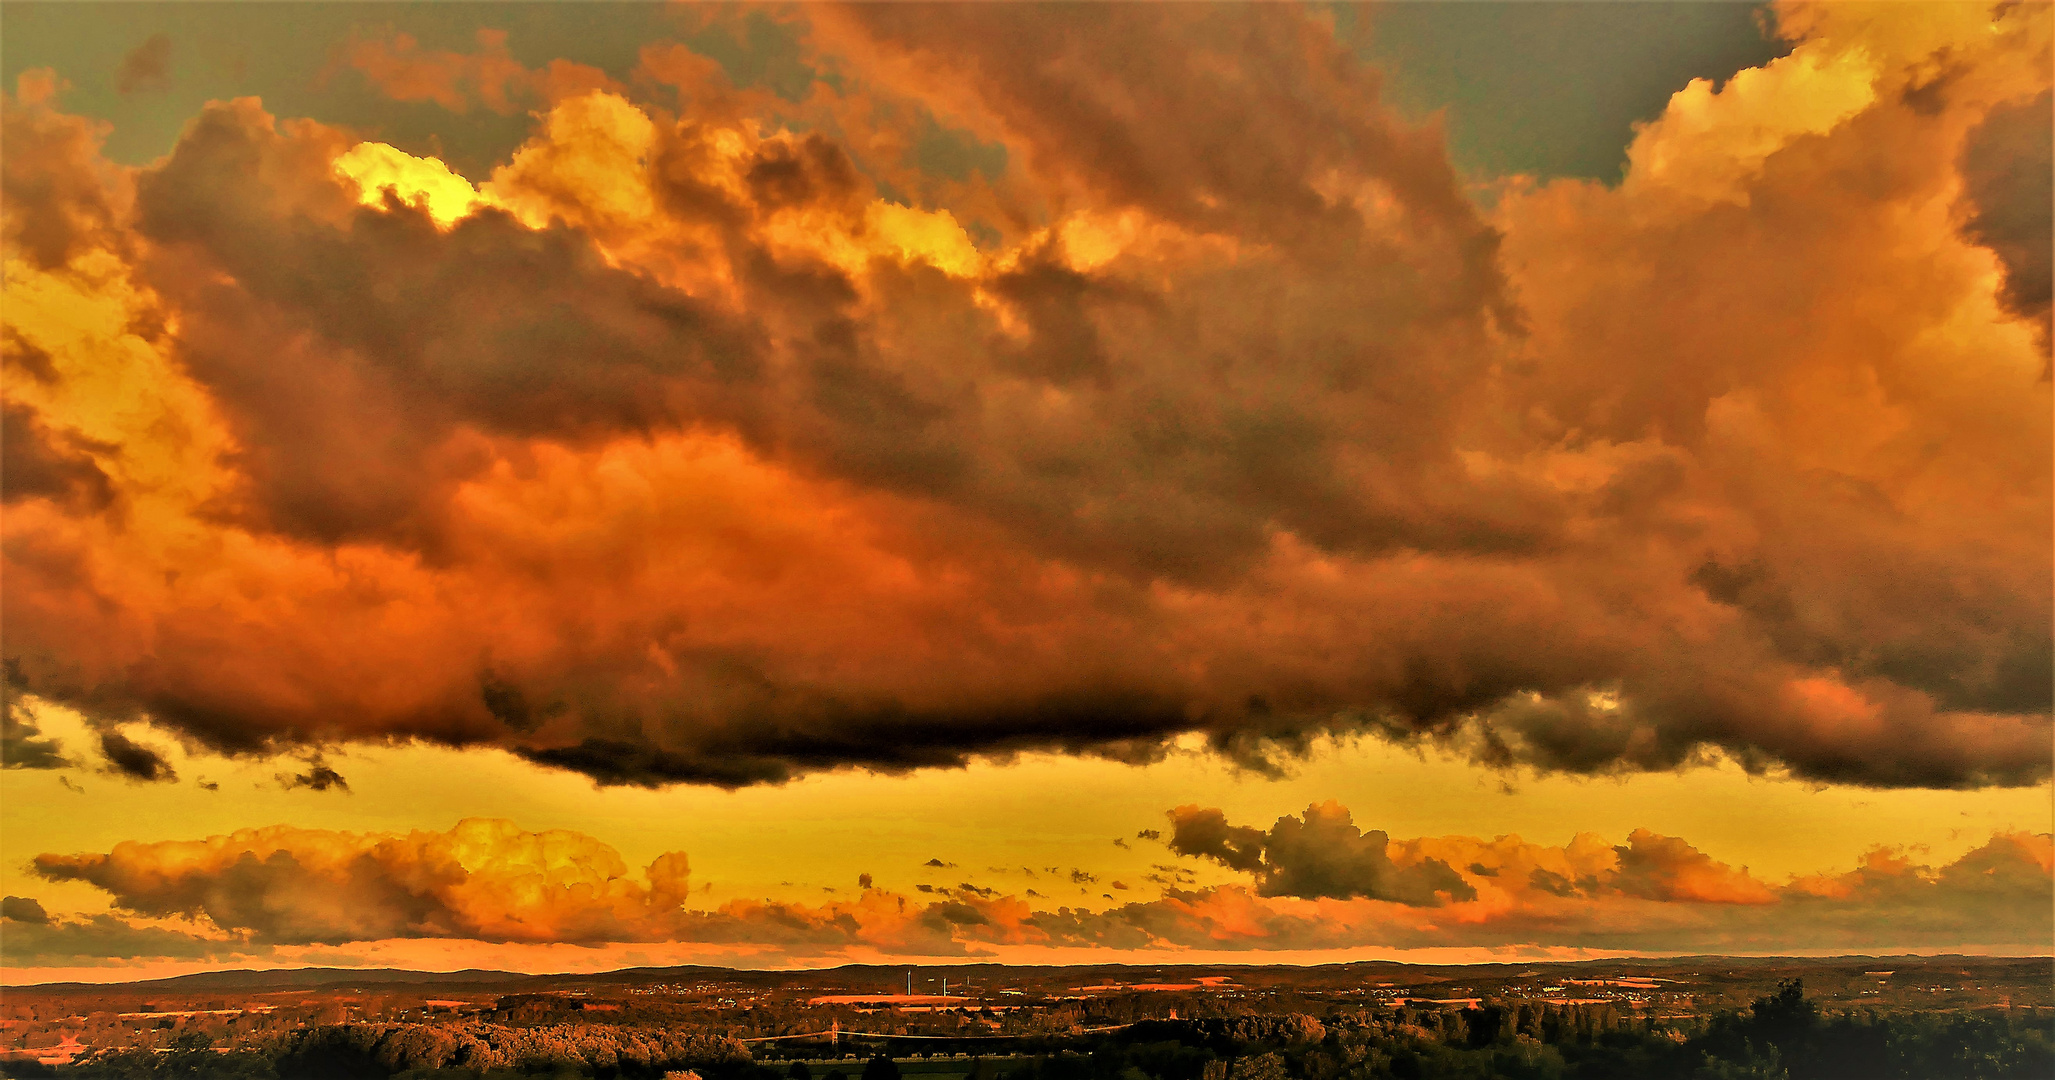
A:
(565, 486)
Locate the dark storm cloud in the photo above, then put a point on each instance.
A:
(20, 352)
(1322, 853)
(1318, 854)
(320, 776)
(134, 760)
(2007, 166)
(772, 733)
(36, 462)
(22, 742)
(24, 909)
(101, 939)
(1204, 832)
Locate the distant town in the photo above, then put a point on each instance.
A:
(975, 1022)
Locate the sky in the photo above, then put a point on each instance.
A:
(557, 487)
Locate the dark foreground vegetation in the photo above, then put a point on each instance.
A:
(1781, 1036)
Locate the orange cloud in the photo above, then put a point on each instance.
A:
(257, 890)
(489, 880)
(483, 879)
(674, 452)
(1320, 854)
(398, 67)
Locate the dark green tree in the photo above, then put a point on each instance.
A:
(1785, 1017)
(881, 1068)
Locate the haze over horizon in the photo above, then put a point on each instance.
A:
(561, 487)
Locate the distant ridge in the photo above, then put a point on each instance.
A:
(888, 975)
(296, 978)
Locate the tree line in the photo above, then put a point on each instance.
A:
(1781, 1036)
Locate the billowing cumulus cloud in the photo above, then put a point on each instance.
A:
(1318, 854)
(486, 880)
(483, 879)
(1328, 888)
(1204, 832)
(61, 195)
(1653, 893)
(1997, 896)
(1321, 854)
(677, 449)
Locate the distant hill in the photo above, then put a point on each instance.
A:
(301, 978)
(891, 978)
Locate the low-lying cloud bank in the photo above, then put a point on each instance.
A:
(674, 453)
(1318, 883)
